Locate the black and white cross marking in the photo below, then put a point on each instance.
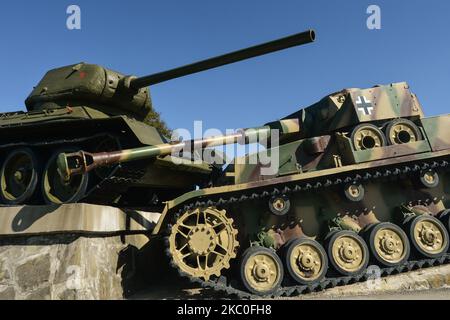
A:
(364, 105)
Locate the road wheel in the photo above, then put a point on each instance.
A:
(305, 260)
(347, 252)
(19, 177)
(388, 244)
(57, 190)
(401, 131)
(261, 270)
(367, 136)
(428, 236)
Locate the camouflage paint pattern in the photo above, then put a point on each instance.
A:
(345, 109)
(83, 162)
(297, 165)
(437, 130)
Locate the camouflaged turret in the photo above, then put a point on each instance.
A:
(353, 126)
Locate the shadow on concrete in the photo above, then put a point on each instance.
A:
(138, 218)
(147, 275)
(28, 215)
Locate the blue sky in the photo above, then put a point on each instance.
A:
(140, 37)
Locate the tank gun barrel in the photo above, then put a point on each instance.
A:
(81, 162)
(244, 54)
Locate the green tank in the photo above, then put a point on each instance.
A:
(86, 106)
(361, 179)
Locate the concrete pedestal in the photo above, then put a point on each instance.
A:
(71, 252)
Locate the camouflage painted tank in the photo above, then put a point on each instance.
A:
(88, 107)
(362, 178)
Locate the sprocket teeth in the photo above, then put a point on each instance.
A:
(199, 274)
(173, 264)
(166, 242)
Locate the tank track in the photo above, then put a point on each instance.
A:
(233, 289)
(117, 183)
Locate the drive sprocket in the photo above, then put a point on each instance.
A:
(202, 242)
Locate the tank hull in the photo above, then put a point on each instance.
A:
(390, 205)
(47, 132)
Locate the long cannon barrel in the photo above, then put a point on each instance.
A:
(258, 50)
(82, 161)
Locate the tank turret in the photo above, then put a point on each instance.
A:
(351, 107)
(89, 85)
(115, 94)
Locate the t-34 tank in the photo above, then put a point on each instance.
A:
(88, 107)
(362, 178)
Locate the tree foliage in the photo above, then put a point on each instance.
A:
(154, 119)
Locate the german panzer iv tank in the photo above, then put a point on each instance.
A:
(88, 107)
(362, 179)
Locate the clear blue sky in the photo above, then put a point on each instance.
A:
(140, 37)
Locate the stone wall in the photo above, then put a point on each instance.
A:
(69, 251)
(64, 267)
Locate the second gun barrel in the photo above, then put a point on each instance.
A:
(258, 50)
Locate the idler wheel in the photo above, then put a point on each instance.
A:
(19, 177)
(261, 270)
(428, 236)
(388, 244)
(401, 131)
(57, 190)
(202, 242)
(367, 136)
(347, 252)
(305, 260)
